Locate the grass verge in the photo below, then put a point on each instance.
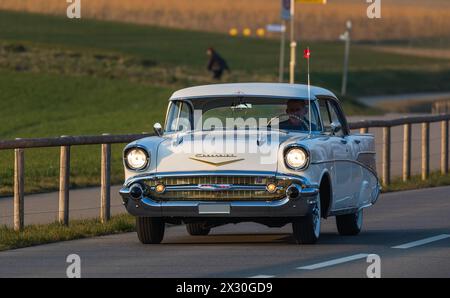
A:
(43, 234)
(416, 182)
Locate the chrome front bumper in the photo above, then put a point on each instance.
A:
(146, 206)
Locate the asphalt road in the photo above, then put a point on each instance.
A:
(43, 208)
(251, 250)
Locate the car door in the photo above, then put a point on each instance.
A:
(342, 155)
(357, 172)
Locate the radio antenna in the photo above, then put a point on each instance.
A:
(307, 55)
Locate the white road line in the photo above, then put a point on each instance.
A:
(422, 242)
(334, 262)
(262, 276)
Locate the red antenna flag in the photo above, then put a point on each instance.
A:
(307, 53)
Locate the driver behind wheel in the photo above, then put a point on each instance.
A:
(297, 110)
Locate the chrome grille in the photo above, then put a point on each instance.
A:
(217, 195)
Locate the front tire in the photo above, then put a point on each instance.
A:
(197, 229)
(306, 229)
(350, 224)
(150, 230)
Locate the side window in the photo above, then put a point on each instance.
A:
(324, 114)
(172, 116)
(179, 117)
(334, 114)
(184, 122)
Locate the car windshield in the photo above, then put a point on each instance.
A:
(242, 113)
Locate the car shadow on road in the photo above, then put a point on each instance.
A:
(381, 237)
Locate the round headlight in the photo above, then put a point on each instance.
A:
(136, 159)
(296, 158)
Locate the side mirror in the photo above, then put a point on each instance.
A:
(157, 128)
(335, 127)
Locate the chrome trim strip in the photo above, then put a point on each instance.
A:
(309, 191)
(190, 98)
(305, 192)
(124, 191)
(198, 187)
(367, 152)
(275, 175)
(348, 160)
(277, 203)
(349, 210)
(365, 206)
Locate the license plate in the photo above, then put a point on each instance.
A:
(214, 209)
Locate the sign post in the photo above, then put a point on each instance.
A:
(293, 45)
(280, 28)
(347, 38)
(293, 42)
(282, 45)
(285, 16)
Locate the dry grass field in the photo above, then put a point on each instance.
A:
(401, 19)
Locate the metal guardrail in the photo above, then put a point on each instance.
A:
(65, 142)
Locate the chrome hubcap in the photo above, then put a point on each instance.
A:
(316, 217)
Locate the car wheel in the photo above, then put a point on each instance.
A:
(150, 230)
(197, 229)
(350, 224)
(306, 229)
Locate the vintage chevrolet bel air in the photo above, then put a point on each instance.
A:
(273, 154)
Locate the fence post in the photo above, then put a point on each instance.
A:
(64, 180)
(444, 147)
(105, 210)
(406, 152)
(425, 150)
(386, 175)
(363, 130)
(19, 163)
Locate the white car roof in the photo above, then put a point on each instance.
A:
(251, 89)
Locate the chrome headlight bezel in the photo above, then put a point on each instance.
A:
(303, 150)
(146, 157)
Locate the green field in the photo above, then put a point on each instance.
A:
(85, 77)
(371, 72)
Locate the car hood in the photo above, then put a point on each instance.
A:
(223, 151)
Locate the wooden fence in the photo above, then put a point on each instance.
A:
(407, 122)
(441, 107)
(66, 142)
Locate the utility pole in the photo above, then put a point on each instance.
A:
(293, 45)
(282, 51)
(347, 38)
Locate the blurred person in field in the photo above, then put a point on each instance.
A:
(217, 65)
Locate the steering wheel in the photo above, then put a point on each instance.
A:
(303, 122)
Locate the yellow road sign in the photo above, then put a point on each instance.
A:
(312, 1)
(247, 32)
(261, 32)
(233, 32)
